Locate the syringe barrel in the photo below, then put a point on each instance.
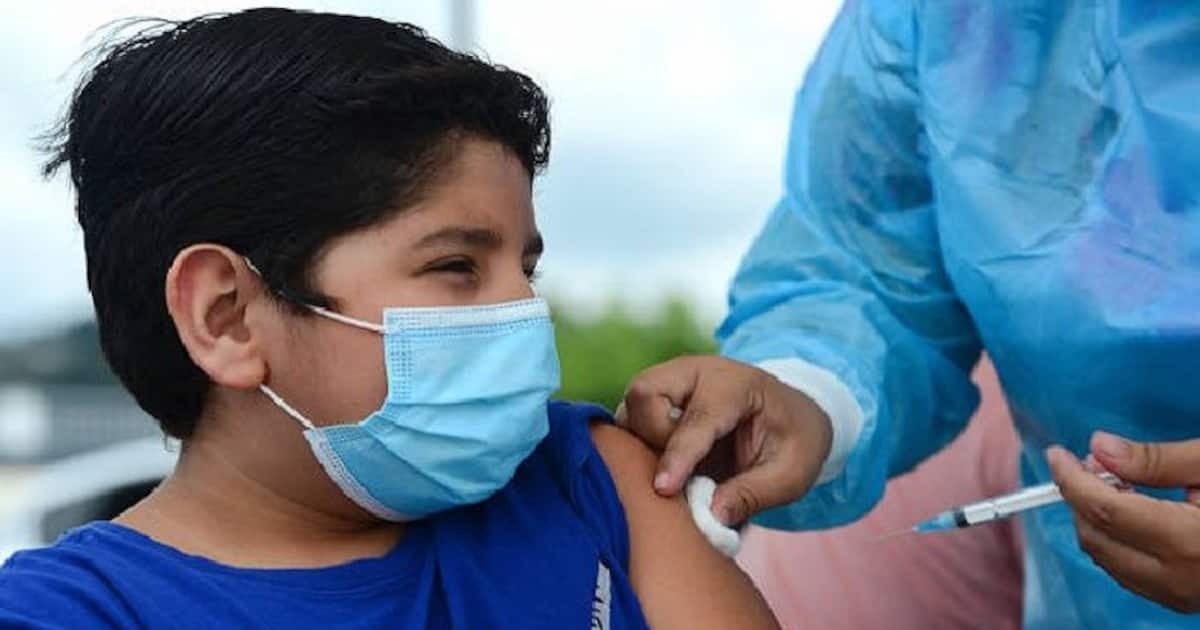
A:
(1022, 500)
(1006, 505)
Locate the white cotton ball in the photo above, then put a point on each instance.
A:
(699, 496)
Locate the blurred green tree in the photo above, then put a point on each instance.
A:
(601, 354)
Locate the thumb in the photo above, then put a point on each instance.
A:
(1160, 464)
(767, 485)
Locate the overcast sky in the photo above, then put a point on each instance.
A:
(669, 126)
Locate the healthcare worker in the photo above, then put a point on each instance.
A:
(1021, 178)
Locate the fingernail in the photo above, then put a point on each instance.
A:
(1111, 446)
(660, 481)
(725, 515)
(1059, 456)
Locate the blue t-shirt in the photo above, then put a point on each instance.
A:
(550, 550)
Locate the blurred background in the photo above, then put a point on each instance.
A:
(669, 122)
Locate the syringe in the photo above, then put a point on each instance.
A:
(1000, 507)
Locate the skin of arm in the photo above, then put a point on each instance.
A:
(681, 580)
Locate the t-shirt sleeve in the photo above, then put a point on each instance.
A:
(585, 478)
(42, 589)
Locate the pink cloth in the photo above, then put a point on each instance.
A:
(972, 578)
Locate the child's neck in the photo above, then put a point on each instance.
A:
(214, 507)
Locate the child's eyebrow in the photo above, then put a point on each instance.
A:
(462, 235)
(477, 237)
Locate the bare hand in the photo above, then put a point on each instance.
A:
(1149, 546)
(739, 422)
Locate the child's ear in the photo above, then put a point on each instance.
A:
(207, 290)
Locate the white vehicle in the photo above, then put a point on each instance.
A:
(67, 493)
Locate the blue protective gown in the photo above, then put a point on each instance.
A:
(1022, 177)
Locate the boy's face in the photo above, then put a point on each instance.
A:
(472, 240)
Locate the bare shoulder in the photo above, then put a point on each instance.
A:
(629, 460)
(681, 580)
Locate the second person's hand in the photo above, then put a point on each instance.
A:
(1148, 545)
(769, 439)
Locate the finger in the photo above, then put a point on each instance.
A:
(712, 412)
(1136, 520)
(621, 417)
(1160, 464)
(646, 409)
(1134, 569)
(1063, 465)
(647, 414)
(762, 486)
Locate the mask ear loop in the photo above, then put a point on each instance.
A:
(338, 317)
(288, 409)
(276, 398)
(324, 312)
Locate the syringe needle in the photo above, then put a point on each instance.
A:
(888, 535)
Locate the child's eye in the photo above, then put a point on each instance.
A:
(534, 274)
(459, 265)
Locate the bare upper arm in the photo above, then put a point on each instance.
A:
(681, 580)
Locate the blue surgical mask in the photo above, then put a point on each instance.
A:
(467, 393)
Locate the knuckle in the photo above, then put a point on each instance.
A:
(730, 371)
(697, 415)
(640, 389)
(1088, 541)
(1152, 462)
(692, 361)
(756, 398)
(1092, 542)
(747, 501)
(1101, 513)
(761, 377)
